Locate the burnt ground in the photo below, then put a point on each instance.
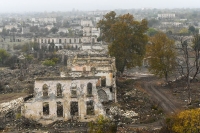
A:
(161, 94)
(178, 91)
(22, 80)
(131, 96)
(148, 96)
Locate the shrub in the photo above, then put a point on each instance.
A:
(49, 63)
(102, 125)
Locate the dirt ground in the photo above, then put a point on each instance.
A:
(144, 94)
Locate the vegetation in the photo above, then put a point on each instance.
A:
(54, 30)
(192, 29)
(153, 22)
(27, 47)
(3, 56)
(49, 63)
(102, 125)
(126, 38)
(196, 48)
(161, 55)
(29, 58)
(151, 32)
(189, 60)
(184, 122)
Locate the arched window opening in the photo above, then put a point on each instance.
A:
(111, 89)
(93, 69)
(103, 97)
(103, 81)
(73, 90)
(89, 88)
(59, 109)
(59, 90)
(74, 108)
(90, 108)
(45, 90)
(84, 69)
(45, 108)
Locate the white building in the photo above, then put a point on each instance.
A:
(166, 15)
(86, 23)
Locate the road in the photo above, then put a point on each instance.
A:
(161, 95)
(148, 82)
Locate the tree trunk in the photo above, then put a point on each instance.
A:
(166, 76)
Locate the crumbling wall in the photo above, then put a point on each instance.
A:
(12, 105)
(33, 109)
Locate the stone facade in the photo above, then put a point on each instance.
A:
(54, 99)
(96, 65)
(84, 84)
(166, 15)
(76, 42)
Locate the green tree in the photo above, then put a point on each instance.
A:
(29, 58)
(153, 22)
(152, 32)
(161, 55)
(13, 29)
(105, 25)
(34, 29)
(5, 32)
(54, 30)
(3, 55)
(183, 31)
(29, 46)
(169, 32)
(192, 29)
(71, 33)
(126, 38)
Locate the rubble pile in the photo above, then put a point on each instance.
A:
(130, 114)
(135, 104)
(103, 51)
(12, 105)
(14, 81)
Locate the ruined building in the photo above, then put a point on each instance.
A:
(84, 84)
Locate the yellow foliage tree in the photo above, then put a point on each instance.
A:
(161, 55)
(186, 121)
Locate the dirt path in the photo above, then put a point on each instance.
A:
(164, 98)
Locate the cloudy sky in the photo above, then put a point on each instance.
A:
(87, 5)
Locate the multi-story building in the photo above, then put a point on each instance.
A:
(78, 93)
(166, 15)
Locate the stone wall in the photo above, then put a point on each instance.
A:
(33, 109)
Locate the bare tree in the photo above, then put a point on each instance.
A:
(196, 48)
(184, 63)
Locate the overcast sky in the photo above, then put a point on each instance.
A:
(88, 5)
